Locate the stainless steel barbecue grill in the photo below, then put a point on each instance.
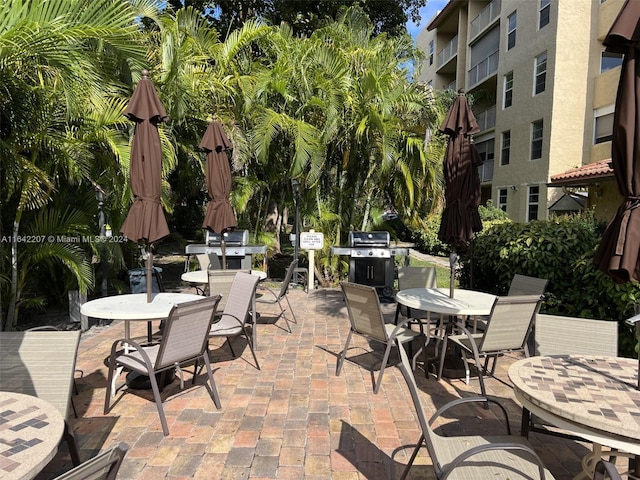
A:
(238, 252)
(371, 259)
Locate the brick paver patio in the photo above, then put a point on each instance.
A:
(292, 419)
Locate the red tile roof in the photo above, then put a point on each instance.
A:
(585, 173)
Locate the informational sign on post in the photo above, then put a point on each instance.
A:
(311, 240)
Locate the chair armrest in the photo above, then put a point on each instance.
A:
(265, 288)
(139, 348)
(460, 401)
(496, 446)
(401, 326)
(605, 470)
(222, 314)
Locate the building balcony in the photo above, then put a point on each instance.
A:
(485, 18)
(486, 171)
(487, 119)
(483, 69)
(448, 52)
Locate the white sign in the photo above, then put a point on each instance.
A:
(311, 240)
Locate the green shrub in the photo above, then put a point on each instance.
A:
(426, 240)
(561, 250)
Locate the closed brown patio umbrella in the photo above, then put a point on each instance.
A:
(460, 218)
(145, 221)
(219, 217)
(618, 252)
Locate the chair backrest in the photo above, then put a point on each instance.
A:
(524, 285)
(206, 260)
(103, 466)
(41, 364)
(241, 296)
(430, 437)
(287, 278)
(417, 277)
(510, 322)
(220, 282)
(363, 307)
(556, 335)
(186, 331)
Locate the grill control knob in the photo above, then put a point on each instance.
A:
(370, 253)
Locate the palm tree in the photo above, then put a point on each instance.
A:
(58, 60)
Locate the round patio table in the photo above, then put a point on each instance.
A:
(595, 398)
(437, 300)
(31, 430)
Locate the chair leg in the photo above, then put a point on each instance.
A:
(443, 352)
(343, 354)
(70, 437)
(246, 335)
(212, 383)
(283, 314)
(295, 320)
(413, 457)
(158, 400)
(231, 347)
(524, 424)
(385, 359)
(107, 396)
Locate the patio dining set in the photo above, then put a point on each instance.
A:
(571, 384)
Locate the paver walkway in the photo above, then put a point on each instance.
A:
(292, 419)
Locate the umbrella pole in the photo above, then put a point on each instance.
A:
(453, 260)
(223, 249)
(149, 275)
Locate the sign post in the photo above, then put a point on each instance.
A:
(311, 241)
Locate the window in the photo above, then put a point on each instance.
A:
(502, 199)
(431, 50)
(511, 31)
(610, 60)
(506, 147)
(533, 202)
(545, 12)
(508, 90)
(536, 140)
(540, 82)
(603, 128)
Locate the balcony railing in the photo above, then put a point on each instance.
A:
(485, 18)
(448, 52)
(451, 86)
(487, 119)
(483, 69)
(486, 171)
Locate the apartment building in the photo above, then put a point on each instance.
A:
(543, 91)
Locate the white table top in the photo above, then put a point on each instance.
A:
(31, 430)
(437, 300)
(134, 306)
(201, 276)
(593, 397)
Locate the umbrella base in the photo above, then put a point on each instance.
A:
(142, 382)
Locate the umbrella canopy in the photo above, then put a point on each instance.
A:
(219, 216)
(145, 220)
(617, 254)
(460, 218)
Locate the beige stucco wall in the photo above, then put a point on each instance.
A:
(574, 88)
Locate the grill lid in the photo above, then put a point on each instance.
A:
(369, 239)
(234, 238)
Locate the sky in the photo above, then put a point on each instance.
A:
(427, 13)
